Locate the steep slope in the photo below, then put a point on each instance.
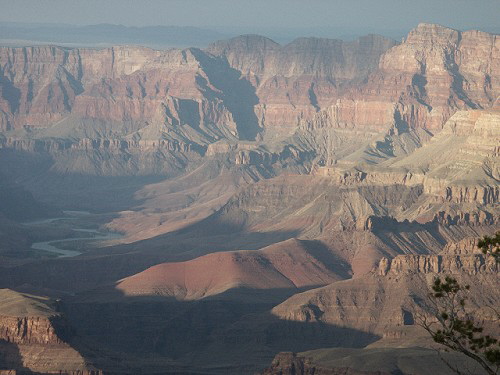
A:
(89, 107)
(33, 337)
(260, 169)
(112, 93)
(380, 302)
(390, 302)
(295, 81)
(418, 86)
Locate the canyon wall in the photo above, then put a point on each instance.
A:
(34, 338)
(371, 83)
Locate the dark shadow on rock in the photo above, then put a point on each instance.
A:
(237, 93)
(386, 229)
(72, 191)
(322, 253)
(11, 359)
(120, 334)
(10, 93)
(419, 83)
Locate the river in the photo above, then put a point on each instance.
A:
(92, 235)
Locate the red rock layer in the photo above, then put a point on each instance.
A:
(283, 265)
(418, 83)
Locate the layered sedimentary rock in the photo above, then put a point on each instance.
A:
(418, 83)
(116, 91)
(295, 81)
(432, 74)
(34, 337)
(337, 97)
(367, 361)
(392, 298)
(367, 167)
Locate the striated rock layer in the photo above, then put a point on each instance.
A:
(418, 83)
(366, 168)
(34, 337)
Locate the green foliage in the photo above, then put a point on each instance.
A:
(458, 330)
(491, 245)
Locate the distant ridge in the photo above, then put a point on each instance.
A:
(106, 34)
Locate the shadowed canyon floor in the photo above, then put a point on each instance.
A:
(245, 200)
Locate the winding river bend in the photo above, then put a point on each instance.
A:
(57, 246)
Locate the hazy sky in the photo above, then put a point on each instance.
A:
(366, 14)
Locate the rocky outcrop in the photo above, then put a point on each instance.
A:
(121, 90)
(34, 337)
(394, 295)
(435, 264)
(33, 330)
(364, 99)
(295, 81)
(462, 194)
(27, 319)
(467, 246)
(352, 176)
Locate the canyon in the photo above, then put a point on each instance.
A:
(273, 201)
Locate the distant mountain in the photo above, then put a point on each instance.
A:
(346, 173)
(106, 34)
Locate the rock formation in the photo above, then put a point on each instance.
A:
(34, 337)
(272, 198)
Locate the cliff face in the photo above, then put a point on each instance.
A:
(29, 330)
(434, 264)
(388, 298)
(27, 319)
(418, 83)
(393, 158)
(370, 98)
(34, 337)
(423, 81)
(125, 88)
(295, 81)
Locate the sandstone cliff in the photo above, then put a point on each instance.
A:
(42, 85)
(393, 295)
(34, 337)
(336, 97)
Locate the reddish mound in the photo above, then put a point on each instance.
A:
(287, 264)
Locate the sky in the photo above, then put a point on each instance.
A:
(369, 15)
